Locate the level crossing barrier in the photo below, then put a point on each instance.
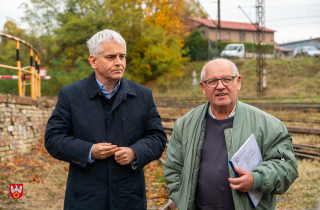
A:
(23, 73)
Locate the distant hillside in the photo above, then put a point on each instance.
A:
(290, 78)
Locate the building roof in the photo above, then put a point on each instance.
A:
(227, 24)
(283, 49)
(306, 40)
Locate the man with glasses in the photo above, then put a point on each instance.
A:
(196, 170)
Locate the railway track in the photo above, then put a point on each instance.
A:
(303, 151)
(169, 119)
(203, 98)
(290, 128)
(300, 151)
(273, 106)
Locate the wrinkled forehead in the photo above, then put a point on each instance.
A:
(219, 68)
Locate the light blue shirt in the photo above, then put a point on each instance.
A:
(104, 90)
(108, 95)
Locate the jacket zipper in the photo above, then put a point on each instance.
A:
(233, 154)
(282, 158)
(232, 141)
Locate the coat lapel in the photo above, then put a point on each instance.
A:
(125, 90)
(92, 86)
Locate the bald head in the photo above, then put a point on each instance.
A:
(218, 62)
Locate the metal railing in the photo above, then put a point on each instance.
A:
(34, 69)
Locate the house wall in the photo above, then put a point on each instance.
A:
(235, 35)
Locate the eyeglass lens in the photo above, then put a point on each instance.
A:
(225, 81)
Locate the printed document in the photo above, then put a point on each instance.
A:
(248, 157)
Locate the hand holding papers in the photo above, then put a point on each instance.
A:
(248, 157)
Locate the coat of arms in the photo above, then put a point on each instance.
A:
(16, 190)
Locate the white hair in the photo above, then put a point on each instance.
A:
(94, 43)
(203, 72)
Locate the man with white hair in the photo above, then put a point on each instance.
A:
(108, 129)
(196, 170)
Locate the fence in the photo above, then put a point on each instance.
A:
(34, 69)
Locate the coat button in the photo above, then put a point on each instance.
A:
(125, 99)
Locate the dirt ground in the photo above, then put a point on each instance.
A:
(44, 182)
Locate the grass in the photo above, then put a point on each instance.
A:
(304, 193)
(298, 79)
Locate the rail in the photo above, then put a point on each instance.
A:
(169, 119)
(300, 150)
(274, 106)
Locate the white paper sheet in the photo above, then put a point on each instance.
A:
(248, 157)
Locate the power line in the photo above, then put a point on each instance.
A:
(293, 24)
(311, 5)
(293, 18)
(236, 1)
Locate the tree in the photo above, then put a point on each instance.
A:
(153, 29)
(196, 46)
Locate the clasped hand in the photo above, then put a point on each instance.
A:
(122, 155)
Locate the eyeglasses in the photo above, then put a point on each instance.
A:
(212, 83)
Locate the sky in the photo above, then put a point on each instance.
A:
(293, 20)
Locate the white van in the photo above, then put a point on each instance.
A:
(309, 51)
(233, 51)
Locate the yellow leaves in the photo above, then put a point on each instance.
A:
(160, 201)
(168, 14)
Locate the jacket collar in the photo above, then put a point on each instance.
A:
(93, 87)
(239, 113)
(237, 117)
(126, 87)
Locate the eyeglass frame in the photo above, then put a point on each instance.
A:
(233, 77)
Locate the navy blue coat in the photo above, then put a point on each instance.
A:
(79, 121)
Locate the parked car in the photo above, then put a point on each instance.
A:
(309, 51)
(233, 51)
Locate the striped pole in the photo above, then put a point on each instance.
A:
(39, 81)
(36, 76)
(32, 75)
(19, 69)
(23, 84)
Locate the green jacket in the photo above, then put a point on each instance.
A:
(271, 178)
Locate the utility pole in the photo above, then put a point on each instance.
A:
(219, 14)
(261, 57)
(260, 50)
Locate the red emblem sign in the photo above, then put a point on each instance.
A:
(16, 190)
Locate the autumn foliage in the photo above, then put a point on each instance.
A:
(153, 29)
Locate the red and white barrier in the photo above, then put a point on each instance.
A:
(16, 77)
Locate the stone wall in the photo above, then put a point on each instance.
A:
(22, 123)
